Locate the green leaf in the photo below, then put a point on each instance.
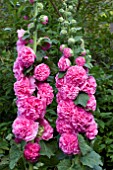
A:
(15, 155)
(83, 145)
(4, 162)
(82, 99)
(61, 74)
(92, 159)
(64, 165)
(46, 149)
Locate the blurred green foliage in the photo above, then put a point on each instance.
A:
(95, 17)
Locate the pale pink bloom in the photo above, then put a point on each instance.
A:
(18, 70)
(26, 56)
(46, 57)
(67, 52)
(45, 20)
(45, 91)
(80, 61)
(41, 72)
(62, 47)
(92, 130)
(25, 17)
(81, 119)
(31, 41)
(20, 44)
(31, 1)
(66, 109)
(24, 87)
(59, 81)
(48, 130)
(24, 129)
(76, 75)
(31, 107)
(64, 63)
(64, 127)
(83, 53)
(91, 104)
(89, 86)
(69, 91)
(21, 33)
(31, 152)
(69, 144)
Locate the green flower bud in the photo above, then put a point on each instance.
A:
(73, 30)
(68, 14)
(63, 32)
(66, 23)
(70, 7)
(40, 7)
(71, 41)
(61, 19)
(61, 10)
(73, 21)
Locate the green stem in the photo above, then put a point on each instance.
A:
(35, 32)
(30, 166)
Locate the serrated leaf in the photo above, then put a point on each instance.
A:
(91, 160)
(15, 155)
(82, 99)
(46, 149)
(61, 74)
(64, 164)
(84, 148)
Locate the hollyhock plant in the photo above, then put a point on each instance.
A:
(69, 144)
(31, 152)
(41, 72)
(31, 107)
(64, 63)
(59, 81)
(45, 91)
(24, 129)
(20, 42)
(26, 56)
(24, 87)
(91, 104)
(44, 43)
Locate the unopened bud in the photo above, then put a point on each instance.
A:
(61, 19)
(61, 10)
(63, 32)
(66, 23)
(40, 7)
(73, 21)
(73, 30)
(70, 7)
(71, 41)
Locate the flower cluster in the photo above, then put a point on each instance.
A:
(33, 94)
(73, 119)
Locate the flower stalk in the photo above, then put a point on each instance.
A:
(35, 32)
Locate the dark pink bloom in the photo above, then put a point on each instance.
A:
(91, 104)
(31, 152)
(80, 61)
(64, 127)
(66, 109)
(25, 17)
(26, 56)
(45, 91)
(31, 107)
(59, 81)
(24, 87)
(64, 63)
(89, 86)
(81, 119)
(69, 91)
(69, 144)
(31, 1)
(41, 72)
(92, 130)
(25, 129)
(67, 52)
(48, 130)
